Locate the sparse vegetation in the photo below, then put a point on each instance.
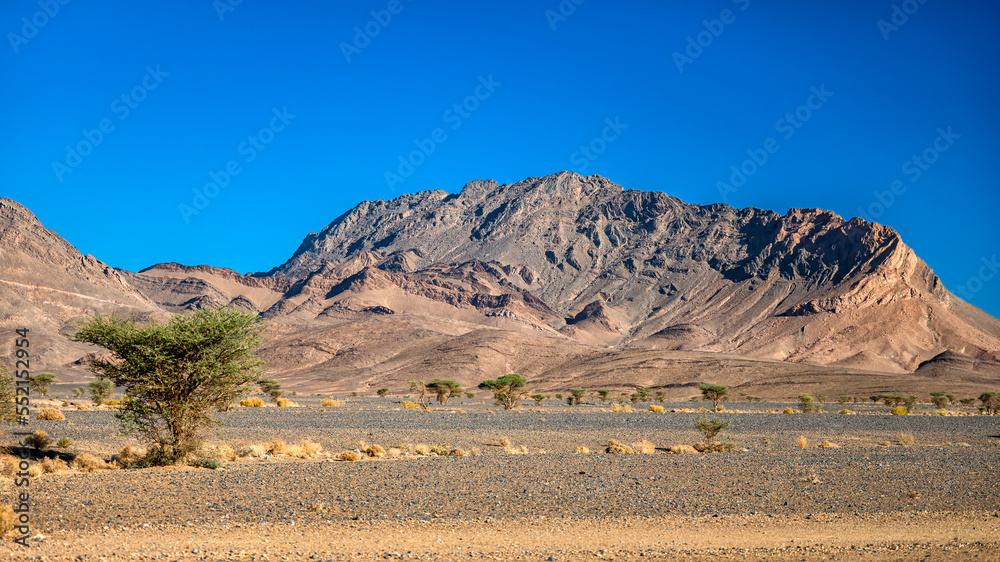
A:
(50, 414)
(86, 462)
(940, 400)
(38, 440)
(900, 411)
(655, 408)
(64, 442)
(350, 456)
(576, 395)
(176, 374)
(714, 393)
(252, 402)
(603, 395)
(808, 404)
(616, 447)
(710, 428)
(801, 442)
(661, 395)
(271, 388)
(407, 405)
(538, 398)
(507, 390)
(99, 390)
(990, 401)
(328, 403)
(40, 383)
(444, 389)
(382, 392)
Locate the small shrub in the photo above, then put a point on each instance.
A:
(644, 448)
(458, 452)
(277, 447)
(54, 465)
(395, 452)
(906, 439)
(808, 404)
(86, 462)
(522, 450)
(213, 464)
(827, 445)
(618, 448)
(683, 450)
(407, 405)
(64, 442)
(50, 414)
(655, 408)
(788, 411)
(583, 450)
(847, 412)
(8, 465)
(350, 456)
(252, 403)
(422, 449)
(711, 428)
(131, 456)
(616, 407)
(38, 440)
(440, 450)
(801, 442)
(375, 451)
(327, 403)
(900, 411)
(504, 442)
(285, 403)
(35, 470)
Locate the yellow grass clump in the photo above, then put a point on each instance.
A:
(504, 441)
(720, 408)
(683, 450)
(395, 452)
(906, 439)
(7, 520)
(350, 456)
(304, 449)
(375, 451)
(252, 403)
(277, 447)
(789, 411)
(35, 470)
(847, 412)
(407, 405)
(618, 448)
(801, 442)
(827, 445)
(644, 447)
(8, 465)
(655, 408)
(285, 403)
(327, 403)
(522, 450)
(583, 450)
(112, 403)
(85, 462)
(459, 452)
(54, 465)
(422, 449)
(50, 414)
(900, 411)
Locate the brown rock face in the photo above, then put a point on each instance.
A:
(567, 279)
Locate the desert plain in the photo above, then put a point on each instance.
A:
(794, 486)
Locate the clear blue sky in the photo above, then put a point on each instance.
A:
(197, 86)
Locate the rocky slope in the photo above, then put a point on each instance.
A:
(565, 278)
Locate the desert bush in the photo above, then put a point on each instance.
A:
(100, 390)
(616, 407)
(576, 395)
(375, 451)
(277, 447)
(602, 394)
(176, 375)
(458, 452)
(683, 450)
(801, 442)
(422, 449)
(38, 440)
(64, 442)
(644, 448)
(966, 401)
(85, 462)
(661, 395)
(847, 412)
(788, 411)
(827, 445)
(655, 408)
(205, 462)
(940, 399)
(713, 447)
(538, 398)
(8, 465)
(252, 403)
(906, 439)
(645, 395)
(711, 428)
(271, 388)
(991, 402)
(382, 392)
(444, 389)
(899, 411)
(714, 393)
(892, 399)
(327, 403)
(440, 450)
(132, 457)
(54, 465)
(808, 404)
(40, 383)
(618, 448)
(583, 450)
(559, 396)
(394, 452)
(350, 456)
(843, 400)
(50, 414)
(285, 403)
(35, 470)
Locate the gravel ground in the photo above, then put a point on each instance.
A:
(938, 498)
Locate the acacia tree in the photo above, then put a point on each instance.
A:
(271, 388)
(714, 393)
(444, 389)
(991, 401)
(576, 395)
(40, 383)
(506, 390)
(100, 390)
(175, 374)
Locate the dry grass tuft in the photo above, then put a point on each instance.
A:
(422, 449)
(683, 450)
(522, 450)
(395, 452)
(812, 479)
(38, 440)
(304, 449)
(277, 447)
(900, 411)
(285, 403)
(788, 411)
(644, 447)
(459, 452)
(35, 470)
(801, 442)
(906, 439)
(847, 412)
(407, 405)
(827, 445)
(618, 448)
(655, 408)
(130, 455)
(7, 520)
(503, 442)
(350, 456)
(85, 462)
(50, 414)
(252, 403)
(583, 450)
(327, 403)
(8, 465)
(375, 451)
(54, 465)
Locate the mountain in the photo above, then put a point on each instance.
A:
(573, 281)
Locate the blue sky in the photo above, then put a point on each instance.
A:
(117, 114)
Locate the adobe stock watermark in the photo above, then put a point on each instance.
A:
(589, 152)
(914, 167)
(30, 26)
(899, 17)
(364, 35)
(696, 44)
(974, 284)
(223, 7)
(787, 126)
(249, 148)
(456, 115)
(121, 106)
(563, 11)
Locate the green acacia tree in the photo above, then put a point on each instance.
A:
(100, 390)
(991, 401)
(41, 382)
(271, 388)
(576, 395)
(603, 394)
(507, 390)
(444, 389)
(175, 374)
(714, 393)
